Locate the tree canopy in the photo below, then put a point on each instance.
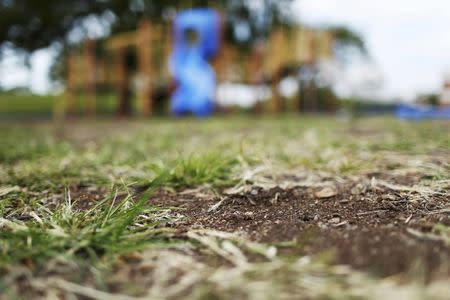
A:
(33, 24)
(29, 25)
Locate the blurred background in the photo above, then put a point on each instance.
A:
(113, 57)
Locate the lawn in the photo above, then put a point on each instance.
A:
(25, 105)
(295, 207)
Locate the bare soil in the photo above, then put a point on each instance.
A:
(372, 229)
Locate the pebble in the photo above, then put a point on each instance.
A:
(334, 220)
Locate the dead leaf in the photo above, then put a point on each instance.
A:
(5, 190)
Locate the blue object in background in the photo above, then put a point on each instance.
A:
(417, 112)
(196, 40)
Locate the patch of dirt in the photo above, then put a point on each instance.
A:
(83, 197)
(367, 228)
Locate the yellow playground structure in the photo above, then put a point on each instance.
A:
(139, 59)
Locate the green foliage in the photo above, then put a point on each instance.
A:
(13, 103)
(26, 105)
(428, 99)
(364, 107)
(211, 169)
(345, 37)
(18, 144)
(29, 25)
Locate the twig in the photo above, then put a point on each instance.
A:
(88, 291)
(371, 212)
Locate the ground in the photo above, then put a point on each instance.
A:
(294, 207)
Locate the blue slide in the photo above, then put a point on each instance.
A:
(196, 41)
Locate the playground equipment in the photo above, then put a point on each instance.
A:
(157, 57)
(196, 41)
(440, 110)
(445, 92)
(420, 112)
(114, 64)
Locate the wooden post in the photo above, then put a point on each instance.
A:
(219, 62)
(277, 105)
(145, 101)
(299, 102)
(122, 83)
(69, 100)
(255, 72)
(314, 105)
(90, 80)
(308, 101)
(275, 55)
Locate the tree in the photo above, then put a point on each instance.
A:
(29, 25)
(347, 41)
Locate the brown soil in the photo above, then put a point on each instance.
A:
(361, 226)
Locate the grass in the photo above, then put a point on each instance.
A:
(108, 228)
(13, 103)
(87, 242)
(212, 168)
(66, 247)
(25, 105)
(26, 145)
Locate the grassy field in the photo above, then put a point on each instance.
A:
(25, 105)
(226, 208)
(16, 104)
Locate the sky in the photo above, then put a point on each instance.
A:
(408, 42)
